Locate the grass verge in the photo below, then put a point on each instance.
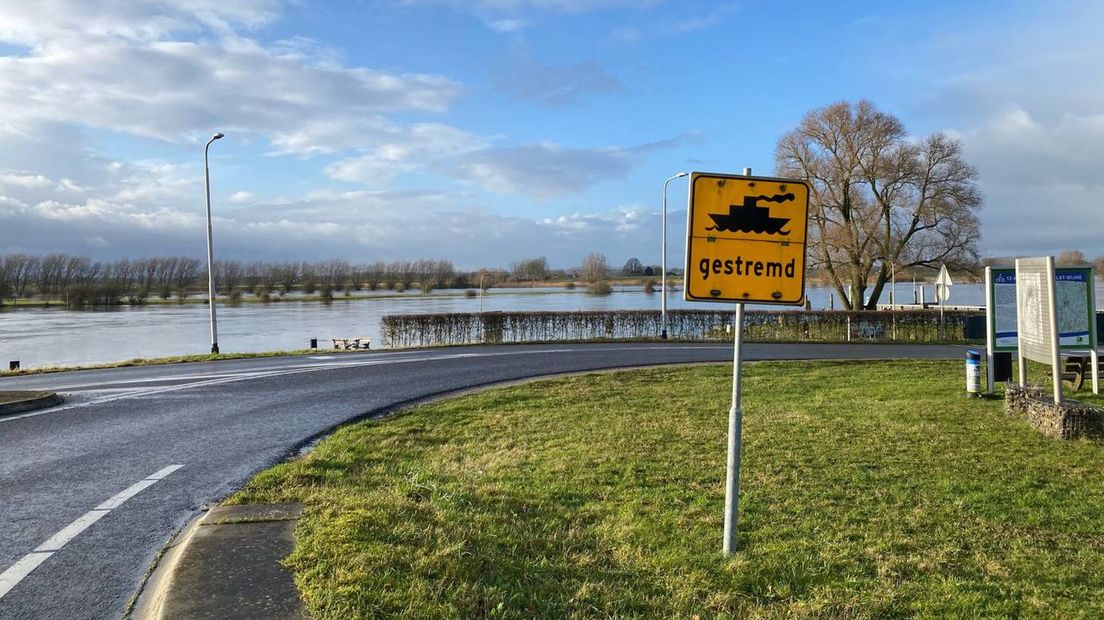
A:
(869, 490)
(8, 398)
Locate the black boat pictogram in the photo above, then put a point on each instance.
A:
(751, 218)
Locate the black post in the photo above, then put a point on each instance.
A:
(13, 365)
(314, 343)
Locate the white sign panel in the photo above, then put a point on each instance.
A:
(1035, 316)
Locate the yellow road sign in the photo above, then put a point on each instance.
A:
(746, 239)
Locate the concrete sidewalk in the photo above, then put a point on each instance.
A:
(226, 564)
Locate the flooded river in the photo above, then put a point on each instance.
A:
(51, 336)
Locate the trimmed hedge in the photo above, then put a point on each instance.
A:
(415, 330)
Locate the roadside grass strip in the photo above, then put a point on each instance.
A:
(870, 489)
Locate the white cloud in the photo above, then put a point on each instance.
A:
(558, 6)
(23, 179)
(240, 198)
(1041, 182)
(47, 23)
(407, 150)
(1032, 123)
(548, 170)
(709, 19)
(543, 170)
(557, 85)
(358, 226)
(171, 72)
(508, 25)
(121, 70)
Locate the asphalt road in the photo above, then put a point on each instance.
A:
(93, 489)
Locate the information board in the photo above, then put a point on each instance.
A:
(1075, 301)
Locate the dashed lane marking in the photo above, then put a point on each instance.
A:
(19, 571)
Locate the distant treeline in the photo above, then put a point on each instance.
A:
(78, 281)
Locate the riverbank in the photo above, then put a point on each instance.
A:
(883, 492)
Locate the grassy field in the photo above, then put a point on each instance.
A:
(869, 490)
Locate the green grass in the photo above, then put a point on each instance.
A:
(870, 490)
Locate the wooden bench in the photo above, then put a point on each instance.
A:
(349, 344)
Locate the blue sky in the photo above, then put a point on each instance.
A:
(489, 131)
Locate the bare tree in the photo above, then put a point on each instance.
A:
(375, 274)
(268, 277)
(22, 271)
(880, 198)
(334, 273)
(594, 268)
(1098, 265)
(1071, 257)
(288, 273)
(228, 275)
(185, 274)
(49, 274)
(530, 269)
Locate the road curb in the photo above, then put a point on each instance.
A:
(226, 564)
(33, 400)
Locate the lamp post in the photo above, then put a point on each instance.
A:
(481, 276)
(663, 261)
(210, 249)
(892, 290)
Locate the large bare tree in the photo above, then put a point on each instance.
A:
(880, 197)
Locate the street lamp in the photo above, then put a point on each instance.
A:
(481, 276)
(663, 260)
(210, 249)
(892, 289)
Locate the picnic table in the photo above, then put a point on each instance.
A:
(1077, 368)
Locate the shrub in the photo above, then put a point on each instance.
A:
(599, 288)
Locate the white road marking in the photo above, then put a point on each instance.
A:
(11, 577)
(125, 494)
(18, 571)
(163, 473)
(71, 531)
(223, 377)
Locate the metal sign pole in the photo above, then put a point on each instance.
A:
(990, 331)
(1055, 341)
(735, 430)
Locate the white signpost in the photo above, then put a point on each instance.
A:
(1037, 318)
(943, 286)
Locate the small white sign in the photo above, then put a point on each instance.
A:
(943, 285)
